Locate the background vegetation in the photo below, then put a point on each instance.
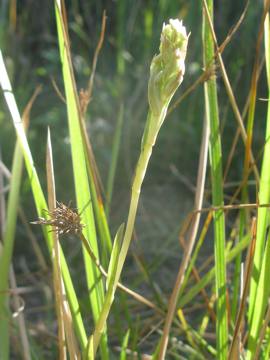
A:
(118, 107)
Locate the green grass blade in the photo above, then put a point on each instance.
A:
(115, 254)
(82, 189)
(113, 280)
(187, 298)
(261, 272)
(195, 254)
(39, 199)
(123, 354)
(7, 250)
(99, 211)
(215, 150)
(261, 302)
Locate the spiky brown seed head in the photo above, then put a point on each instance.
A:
(64, 219)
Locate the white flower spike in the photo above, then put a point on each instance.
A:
(168, 67)
(166, 74)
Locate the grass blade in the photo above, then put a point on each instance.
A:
(112, 283)
(206, 279)
(57, 280)
(123, 354)
(9, 236)
(39, 198)
(82, 189)
(211, 105)
(115, 254)
(259, 291)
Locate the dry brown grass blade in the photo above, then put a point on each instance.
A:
(200, 80)
(210, 70)
(238, 131)
(57, 280)
(205, 297)
(65, 325)
(191, 241)
(27, 110)
(88, 148)
(230, 91)
(86, 95)
(85, 98)
(232, 207)
(234, 29)
(57, 90)
(234, 349)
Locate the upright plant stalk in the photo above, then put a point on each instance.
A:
(39, 198)
(212, 115)
(7, 250)
(79, 163)
(195, 220)
(264, 194)
(261, 289)
(166, 74)
(9, 237)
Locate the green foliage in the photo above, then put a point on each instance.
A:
(100, 146)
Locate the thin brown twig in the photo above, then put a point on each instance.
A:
(233, 29)
(239, 320)
(86, 95)
(57, 90)
(232, 207)
(230, 91)
(97, 51)
(84, 99)
(57, 279)
(90, 159)
(197, 278)
(200, 80)
(103, 272)
(191, 241)
(209, 70)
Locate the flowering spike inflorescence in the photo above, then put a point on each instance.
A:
(168, 67)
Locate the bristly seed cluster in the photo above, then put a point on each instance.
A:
(64, 219)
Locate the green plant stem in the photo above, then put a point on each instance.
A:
(166, 74)
(217, 191)
(7, 250)
(40, 201)
(207, 278)
(142, 164)
(259, 288)
(79, 164)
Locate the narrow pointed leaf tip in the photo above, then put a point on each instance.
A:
(168, 67)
